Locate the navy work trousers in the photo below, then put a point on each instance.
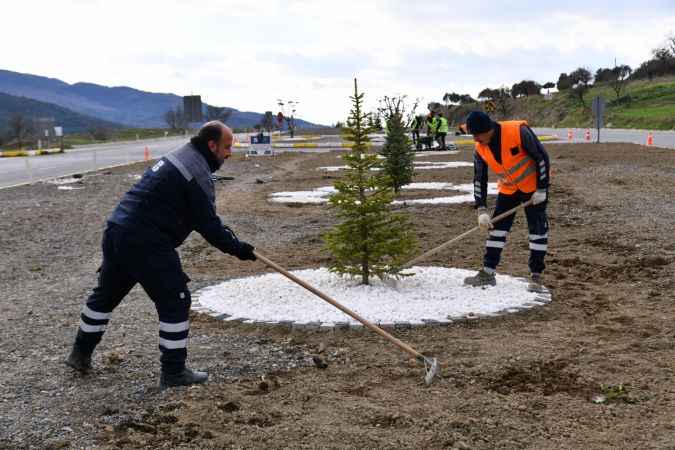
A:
(537, 224)
(129, 258)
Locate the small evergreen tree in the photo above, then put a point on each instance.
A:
(398, 154)
(397, 149)
(371, 240)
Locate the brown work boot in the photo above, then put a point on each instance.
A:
(536, 284)
(481, 279)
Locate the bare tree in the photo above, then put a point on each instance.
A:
(170, 119)
(619, 78)
(19, 128)
(175, 119)
(390, 106)
(98, 133)
(670, 43)
(218, 113)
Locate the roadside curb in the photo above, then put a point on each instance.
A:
(18, 153)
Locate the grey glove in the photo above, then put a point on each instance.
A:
(539, 196)
(483, 219)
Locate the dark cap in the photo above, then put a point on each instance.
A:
(478, 122)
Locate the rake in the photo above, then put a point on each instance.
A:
(444, 245)
(431, 367)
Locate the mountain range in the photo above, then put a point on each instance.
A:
(73, 104)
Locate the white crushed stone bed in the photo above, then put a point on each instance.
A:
(419, 165)
(321, 194)
(433, 295)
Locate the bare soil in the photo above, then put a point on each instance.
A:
(524, 381)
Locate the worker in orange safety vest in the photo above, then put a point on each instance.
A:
(511, 150)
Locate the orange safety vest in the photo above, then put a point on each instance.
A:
(518, 171)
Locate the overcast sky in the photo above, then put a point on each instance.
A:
(247, 54)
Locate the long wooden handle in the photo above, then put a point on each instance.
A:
(402, 345)
(494, 220)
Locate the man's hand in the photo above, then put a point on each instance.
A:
(484, 219)
(245, 252)
(539, 196)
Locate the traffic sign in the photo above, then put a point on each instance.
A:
(598, 107)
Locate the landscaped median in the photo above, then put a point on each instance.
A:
(541, 138)
(348, 145)
(14, 153)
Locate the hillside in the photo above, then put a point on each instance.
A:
(644, 104)
(125, 105)
(71, 121)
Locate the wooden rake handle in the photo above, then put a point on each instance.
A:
(494, 220)
(372, 327)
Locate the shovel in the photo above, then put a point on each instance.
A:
(430, 364)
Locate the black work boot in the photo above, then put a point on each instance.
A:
(79, 360)
(481, 279)
(536, 284)
(184, 378)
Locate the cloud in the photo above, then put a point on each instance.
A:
(246, 55)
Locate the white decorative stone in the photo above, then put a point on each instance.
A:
(435, 295)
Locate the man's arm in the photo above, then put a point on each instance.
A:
(480, 179)
(536, 151)
(208, 224)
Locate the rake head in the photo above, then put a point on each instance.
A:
(431, 368)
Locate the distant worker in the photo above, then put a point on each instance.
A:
(415, 126)
(461, 129)
(513, 151)
(442, 131)
(173, 198)
(431, 130)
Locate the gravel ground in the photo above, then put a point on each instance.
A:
(526, 380)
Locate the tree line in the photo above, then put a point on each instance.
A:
(576, 84)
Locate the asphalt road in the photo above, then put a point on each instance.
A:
(15, 171)
(661, 138)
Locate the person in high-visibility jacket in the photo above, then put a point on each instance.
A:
(441, 131)
(513, 151)
(415, 126)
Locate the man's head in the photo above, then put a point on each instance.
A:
(480, 125)
(218, 138)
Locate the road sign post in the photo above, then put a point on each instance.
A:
(598, 107)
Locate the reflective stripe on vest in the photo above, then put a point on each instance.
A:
(517, 169)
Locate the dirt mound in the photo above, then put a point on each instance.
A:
(546, 377)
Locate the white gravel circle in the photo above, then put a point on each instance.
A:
(434, 293)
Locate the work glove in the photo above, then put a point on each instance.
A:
(245, 252)
(539, 196)
(484, 219)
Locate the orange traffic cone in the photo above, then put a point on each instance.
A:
(650, 139)
(587, 135)
(570, 135)
(146, 154)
